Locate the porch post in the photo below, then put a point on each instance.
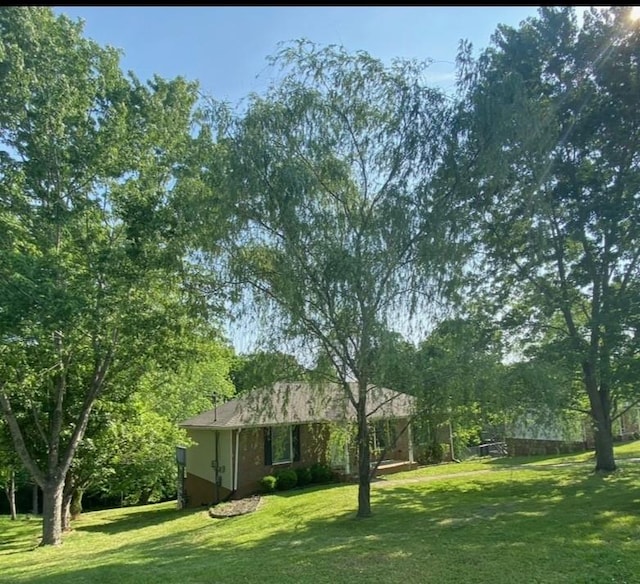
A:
(347, 464)
(410, 441)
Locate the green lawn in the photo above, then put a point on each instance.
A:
(544, 520)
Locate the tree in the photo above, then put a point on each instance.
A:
(92, 238)
(551, 135)
(264, 368)
(456, 374)
(9, 465)
(331, 170)
(136, 445)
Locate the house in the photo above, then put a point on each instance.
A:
(548, 433)
(555, 434)
(288, 425)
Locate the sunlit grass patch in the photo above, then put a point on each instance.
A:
(514, 524)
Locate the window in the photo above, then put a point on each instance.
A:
(281, 444)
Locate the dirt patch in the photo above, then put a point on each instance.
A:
(234, 508)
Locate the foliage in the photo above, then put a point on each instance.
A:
(320, 473)
(129, 452)
(457, 376)
(548, 145)
(94, 289)
(268, 484)
(341, 436)
(263, 369)
(304, 476)
(431, 453)
(286, 479)
(332, 173)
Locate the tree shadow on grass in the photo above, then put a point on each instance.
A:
(538, 527)
(137, 518)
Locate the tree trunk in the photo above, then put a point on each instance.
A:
(35, 506)
(76, 502)
(10, 490)
(605, 459)
(66, 512)
(71, 503)
(52, 498)
(601, 411)
(364, 458)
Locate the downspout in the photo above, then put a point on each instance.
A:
(235, 470)
(410, 441)
(347, 462)
(217, 488)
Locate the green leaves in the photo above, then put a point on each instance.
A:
(551, 141)
(95, 286)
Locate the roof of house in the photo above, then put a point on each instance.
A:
(298, 403)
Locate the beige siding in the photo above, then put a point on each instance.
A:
(200, 455)
(224, 457)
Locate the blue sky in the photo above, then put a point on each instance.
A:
(225, 48)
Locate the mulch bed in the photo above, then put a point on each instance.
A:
(234, 508)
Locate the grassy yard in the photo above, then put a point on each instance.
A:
(544, 520)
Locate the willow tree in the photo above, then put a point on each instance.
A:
(331, 169)
(551, 133)
(91, 236)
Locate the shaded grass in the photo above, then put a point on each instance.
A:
(525, 523)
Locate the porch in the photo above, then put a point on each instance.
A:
(392, 466)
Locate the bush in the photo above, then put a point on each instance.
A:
(432, 454)
(320, 473)
(268, 484)
(286, 479)
(304, 476)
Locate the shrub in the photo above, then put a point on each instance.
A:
(268, 484)
(286, 479)
(320, 473)
(431, 454)
(304, 476)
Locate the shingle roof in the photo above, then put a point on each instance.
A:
(296, 403)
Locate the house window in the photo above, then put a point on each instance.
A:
(281, 444)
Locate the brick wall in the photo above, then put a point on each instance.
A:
(251, 467)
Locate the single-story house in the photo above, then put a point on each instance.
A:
(288, 425)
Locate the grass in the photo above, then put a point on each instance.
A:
(540, 520)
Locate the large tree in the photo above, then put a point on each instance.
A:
(331, 169)
(550, 133)
(129, 447)
(92, 239)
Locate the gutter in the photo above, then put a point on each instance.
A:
(235, 471)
